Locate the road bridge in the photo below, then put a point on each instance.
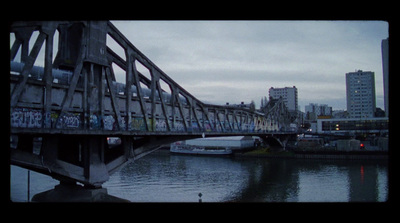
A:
(73, 102)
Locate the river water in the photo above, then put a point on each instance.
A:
(165, 177)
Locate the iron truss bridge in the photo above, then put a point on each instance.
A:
(73, 102)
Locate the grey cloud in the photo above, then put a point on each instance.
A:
(222, 59)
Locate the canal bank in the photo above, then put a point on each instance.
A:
(321, 154)
(320, 148)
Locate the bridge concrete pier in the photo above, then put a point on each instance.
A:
(69, 158)
(278, 141)
(87, 159)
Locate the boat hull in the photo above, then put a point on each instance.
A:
(199, 151)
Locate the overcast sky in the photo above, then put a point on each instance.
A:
(234, 61)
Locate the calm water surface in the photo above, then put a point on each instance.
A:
(164, 177)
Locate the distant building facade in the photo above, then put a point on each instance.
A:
(353, 125)
(312, 111)
(288, 94)
(385, 67)
(339, 114)
(360, 93)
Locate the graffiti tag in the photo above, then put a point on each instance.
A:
(26, 118)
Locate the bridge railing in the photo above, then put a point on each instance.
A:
(99, 82)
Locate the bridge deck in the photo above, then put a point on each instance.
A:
(140, 133)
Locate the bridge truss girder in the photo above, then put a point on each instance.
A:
(85, 104)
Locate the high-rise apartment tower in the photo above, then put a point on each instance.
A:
(360, 92)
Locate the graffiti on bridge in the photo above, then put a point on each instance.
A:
(35, 118)
(26, 118)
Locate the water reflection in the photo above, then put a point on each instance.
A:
(162, 177)
(177, 178)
